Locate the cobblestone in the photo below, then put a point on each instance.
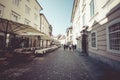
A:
(62, 65)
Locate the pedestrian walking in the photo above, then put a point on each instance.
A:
(67, 46)
(64, 46)
(70, 47)
(73, 47)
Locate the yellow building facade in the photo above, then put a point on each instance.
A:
(21, 11)
(18, 18)
(45, 28)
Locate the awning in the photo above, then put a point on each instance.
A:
(8, 26)
(46, 37)
(29, 31)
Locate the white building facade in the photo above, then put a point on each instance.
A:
(99, 21)
(62, 39)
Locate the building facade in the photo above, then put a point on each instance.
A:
(61, 38)
(17, 17)
(75, 19)
(69, 35)
(21, 11)
(99, 28)
(45, 28)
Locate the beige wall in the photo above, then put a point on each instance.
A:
(10, 7)
(45, 26)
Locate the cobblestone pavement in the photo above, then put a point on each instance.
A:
(61, 65)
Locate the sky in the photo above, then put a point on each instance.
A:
(58, 14)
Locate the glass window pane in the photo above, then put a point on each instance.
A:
(114, 37)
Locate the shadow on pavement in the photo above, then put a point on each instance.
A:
(99, 69)
(15, 60)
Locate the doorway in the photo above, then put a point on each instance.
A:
(85, 43)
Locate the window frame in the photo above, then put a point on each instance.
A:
(28, 0)
(27, 9)
(35, 26)
(35, 16)
(107, 32)
(1, 10)
(92, 8)
(95, 39)
(13, 15)
(83, 19)
(26, 22)
(16, 2)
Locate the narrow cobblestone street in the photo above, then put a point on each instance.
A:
(61, 65)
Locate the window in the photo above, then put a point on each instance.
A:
(67, 33)
(35, 26)
(16, 2)
(93, 40)
(1, 10)
(28, 0)
(35, 16)
(70, 38)
(83, 3)
(15, 16)
(70, 31)
(114, 37)
(36, 8)
(92, 12)
(27, 22)
(83, 19)
(27, 9)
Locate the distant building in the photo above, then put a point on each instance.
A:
(96, 27)
(62, 39)
(69, 35)
(55, 40)
(45, 28)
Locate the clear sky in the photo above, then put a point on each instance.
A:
(58, 14)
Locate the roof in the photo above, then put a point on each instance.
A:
(75, 5)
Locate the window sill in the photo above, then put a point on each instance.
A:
(93, 17)
(95, 48)
(114, 52)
